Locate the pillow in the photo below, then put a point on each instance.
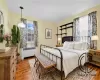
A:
(71, 46)
(84, 45)
(68, 45)
(78, 46)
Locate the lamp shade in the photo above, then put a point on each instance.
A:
(59, 39)
(21, 25)
(95, 37)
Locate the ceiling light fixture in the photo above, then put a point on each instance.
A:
(21, 24)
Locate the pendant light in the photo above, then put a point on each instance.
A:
(21, 24)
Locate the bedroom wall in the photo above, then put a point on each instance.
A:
(4, 9)
(14, 19)
(86, 12)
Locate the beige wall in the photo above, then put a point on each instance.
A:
(14, 19)
(86, 12)
(4, 9)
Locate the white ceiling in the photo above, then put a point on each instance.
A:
(51, 10)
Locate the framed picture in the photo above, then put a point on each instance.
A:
(48, 33)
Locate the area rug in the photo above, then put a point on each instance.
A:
(74, 75)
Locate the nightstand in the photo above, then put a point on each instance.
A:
(94, 57)
(59, 45)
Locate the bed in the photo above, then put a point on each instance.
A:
(66, 57)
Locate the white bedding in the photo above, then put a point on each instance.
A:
(70, 58)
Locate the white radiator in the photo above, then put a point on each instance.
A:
(27, 53)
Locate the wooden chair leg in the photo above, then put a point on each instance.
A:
(37, 68)
(35, 62)
(40, 72)
(39, 76)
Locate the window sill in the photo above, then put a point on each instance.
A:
(29, 48)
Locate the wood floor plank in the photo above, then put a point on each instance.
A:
(24, 71)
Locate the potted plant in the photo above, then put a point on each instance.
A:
(14, 35)
(16, 38)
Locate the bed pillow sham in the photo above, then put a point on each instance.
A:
(81, 45)
(71, 46)
(75, 45)
(84, 45)
(68, 45)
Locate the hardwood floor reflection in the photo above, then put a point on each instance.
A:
(24, 73)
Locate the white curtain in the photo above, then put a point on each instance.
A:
(35, 33)
(23, 36)
(76, 31)
(83, 22)
(92, 28)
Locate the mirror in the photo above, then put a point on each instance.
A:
(1, 26)
(1, 18)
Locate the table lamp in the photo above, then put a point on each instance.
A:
(94, 38)
(59, 40)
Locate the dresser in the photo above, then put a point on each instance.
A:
(8, 61)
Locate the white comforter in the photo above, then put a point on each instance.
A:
(70, 58)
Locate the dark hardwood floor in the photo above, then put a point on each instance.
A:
(24, 72)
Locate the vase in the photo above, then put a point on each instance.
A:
(7, 44)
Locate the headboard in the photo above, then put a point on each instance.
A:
(67, 38)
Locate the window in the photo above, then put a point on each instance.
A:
(83, 23)
(83, 26)
(30, 34)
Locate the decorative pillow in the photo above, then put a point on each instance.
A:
(66, 44)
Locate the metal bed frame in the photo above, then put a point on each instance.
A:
(61, 55)
(61, 58)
